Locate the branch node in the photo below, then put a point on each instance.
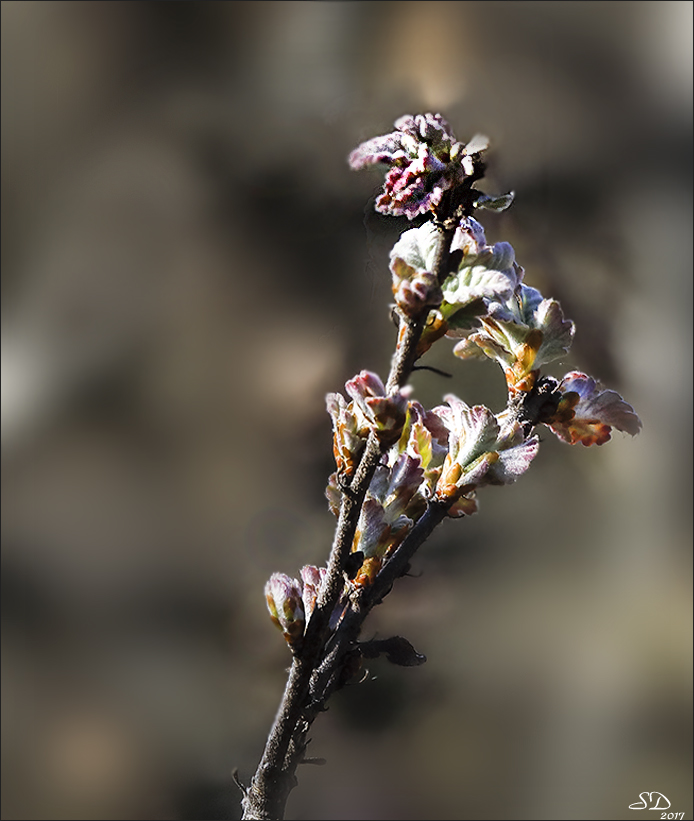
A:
(344, 482)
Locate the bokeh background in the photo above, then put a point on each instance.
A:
(189, 266)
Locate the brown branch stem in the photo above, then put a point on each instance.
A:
(315, 669)
(323, 681)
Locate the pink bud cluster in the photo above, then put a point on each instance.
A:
(425, 161)
(291, 604)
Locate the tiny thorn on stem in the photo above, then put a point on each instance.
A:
(238, 782)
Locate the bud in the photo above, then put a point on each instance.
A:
(415, 292)
(349, 434)
(284, 601)
(393, 502)
(425, 160)
(312, 578)
(385, 415)
(434, 328)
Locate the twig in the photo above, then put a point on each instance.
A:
(266, 796)
(321, 623)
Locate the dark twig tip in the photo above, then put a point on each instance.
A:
(433, 370)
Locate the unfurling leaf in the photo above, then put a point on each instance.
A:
(587, 414)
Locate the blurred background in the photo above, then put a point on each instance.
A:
(189, 266)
